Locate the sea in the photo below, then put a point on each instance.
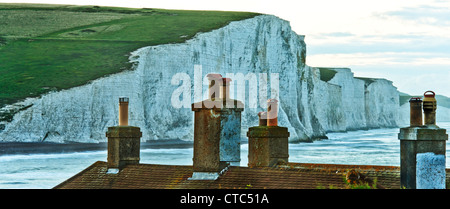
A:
(35, 170)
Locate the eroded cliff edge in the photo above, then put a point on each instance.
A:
(310, 106)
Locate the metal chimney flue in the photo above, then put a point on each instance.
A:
(123, 111)
(415, 111)
(429, 108)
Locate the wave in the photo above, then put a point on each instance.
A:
(84, 154)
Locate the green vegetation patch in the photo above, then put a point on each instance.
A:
(54, 47)
(326, 74)
(30, 68)
(2, 41)
(443, 101)
(404, 98)
(32, 23)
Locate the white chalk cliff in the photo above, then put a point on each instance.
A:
(309, 107)
(356, 103)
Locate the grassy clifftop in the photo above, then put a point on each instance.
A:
(53, 47)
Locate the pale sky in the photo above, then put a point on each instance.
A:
(405, 41)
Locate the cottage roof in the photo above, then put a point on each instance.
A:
(288, 176)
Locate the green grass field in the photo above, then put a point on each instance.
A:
(54, 47)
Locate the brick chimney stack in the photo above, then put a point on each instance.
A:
(217, 130)
(268, 143)
(123, 141)
(423, 148)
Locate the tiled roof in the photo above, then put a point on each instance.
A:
(290, 176)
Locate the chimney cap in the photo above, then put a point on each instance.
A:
(429, 95)
(272, 101)
(415, 99)
(124, 99)
(213, 76)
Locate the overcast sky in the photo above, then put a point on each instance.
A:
(406, 41)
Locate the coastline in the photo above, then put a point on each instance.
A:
(12, 148)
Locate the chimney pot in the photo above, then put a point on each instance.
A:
(123, 111)
(262, 118)
(429, 108)
(415, 111)
(225, 89)
(215, 81)
(272, 112)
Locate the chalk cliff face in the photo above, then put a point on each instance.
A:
(381, 104)
(349, 103)
(309, 106)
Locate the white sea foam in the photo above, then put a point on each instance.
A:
(20, 157)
